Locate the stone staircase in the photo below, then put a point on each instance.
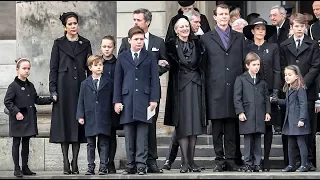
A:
(204, 153)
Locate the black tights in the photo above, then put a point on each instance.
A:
(187, 147)
(24, 151)
(75, 153)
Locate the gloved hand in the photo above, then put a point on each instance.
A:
(275, 93)
(274, 100)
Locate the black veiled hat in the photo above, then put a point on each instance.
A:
(186, 3)
(64, 16)
(270, 29)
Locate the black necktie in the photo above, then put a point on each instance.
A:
(298, 41)
(135, 59)
(95, 82)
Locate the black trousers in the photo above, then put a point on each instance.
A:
(112, 145)
(301, 141)
(24, 151)
(224, 147)
(103, 150)
(152, 140)
(136, 143)
(252, 149)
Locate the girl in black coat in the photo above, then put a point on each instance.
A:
(68, 68)
(20, 100)
(108, 45)
(296, 124)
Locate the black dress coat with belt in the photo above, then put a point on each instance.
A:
(307, 59)
(223, 65)
(252, 100)
(95, 106)
(172, 111)
(68, 68)
(296, 110)
(21, 96)
(136, 84)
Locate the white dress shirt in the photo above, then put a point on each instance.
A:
(132, 53)
(146, 40)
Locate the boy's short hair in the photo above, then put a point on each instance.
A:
(299, 18)
(135, 30)
(94, 59)
(109, 37)
(251, 56)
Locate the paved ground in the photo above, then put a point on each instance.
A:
(173, 174)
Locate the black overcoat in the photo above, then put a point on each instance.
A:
(21, 97)
(283, 33)
(67, 70)
(254, 101)
(95, 106)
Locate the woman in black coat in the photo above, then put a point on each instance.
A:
(185, 103)
(68, 67)
(20, 100)
(269, 71)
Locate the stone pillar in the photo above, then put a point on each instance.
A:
(38, 25)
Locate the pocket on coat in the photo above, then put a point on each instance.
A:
(125, 91)
(147, 90)
(63, 69)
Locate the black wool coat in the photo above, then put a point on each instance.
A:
(68, 69)
(21, 96)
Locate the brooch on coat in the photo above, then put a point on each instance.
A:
(267, 51)
(22, 88)
(80, 42)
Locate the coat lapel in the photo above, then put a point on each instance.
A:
(305, 44)
(142, 56)
(292, 47)
(65, 46)
(215, 36)
(232, 38)
(103, 82)
(248, 77)
(90, 83)
(151, 42)
(81, 45)
(129, 57)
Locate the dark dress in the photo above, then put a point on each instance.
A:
(68, 68)
(189, 89)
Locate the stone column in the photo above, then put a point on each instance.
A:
(38, 25)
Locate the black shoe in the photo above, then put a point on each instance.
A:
(103, 171)
(310, 167)
(27, 171)
(18, 173)
(167, 165)
(219, 168)
(141, 171)
(194, 168)
(256, 168)
(302, 169)
(266, 166)
(90, 171)
(288, 169)
(66, 168)
(277, 133)
(129, 171)
(154, 169)
(184, 168)
(112, 168)
(74, 167)
(233, 167)
(247, 168)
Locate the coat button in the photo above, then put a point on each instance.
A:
(75, 68)
(137, 90)
(297, 61)
(136, 68)
(227, 69)
(97, 102)
(109, 72)
(75, 77)
(136, 79)
(31, 106)
(228, 84)
(94, 92)
(227, 54)
(28, 95)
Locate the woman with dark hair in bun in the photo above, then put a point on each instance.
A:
(68, 68)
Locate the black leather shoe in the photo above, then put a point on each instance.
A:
(302, 169)
(218, 168)
(129, 171)
(112, 168)
(247, 168)
(233, 167)
(141, 171)
(18, 173)
(27, 171)
(310, 167)
(194, 168)
(90, 171)
(103, 171)
(167, 165)
(154, 169)
(288, 169)
(184, 168)
(74, 167)
(256, 168)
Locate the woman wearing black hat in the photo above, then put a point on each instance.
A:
(185, 103)
(67, 70)
(258, 32)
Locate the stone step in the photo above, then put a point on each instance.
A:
(172, 174)
(207, 151)
(207, 140)
(207, 162)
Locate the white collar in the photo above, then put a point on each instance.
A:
(295, 38)
(199, 32)
(132, 52)
(96, 78)
(146, 35)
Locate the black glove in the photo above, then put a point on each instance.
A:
(275, 93)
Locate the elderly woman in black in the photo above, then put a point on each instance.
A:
(68, 67)
(258, 32)
(185, 107)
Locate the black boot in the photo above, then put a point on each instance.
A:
(27, 171)
(111, 168)
(66, 163)
(74, 162)
(25, 157)
(17, 172)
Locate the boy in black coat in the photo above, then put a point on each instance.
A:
(94, 111)
(252, 105)
(20, 100)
